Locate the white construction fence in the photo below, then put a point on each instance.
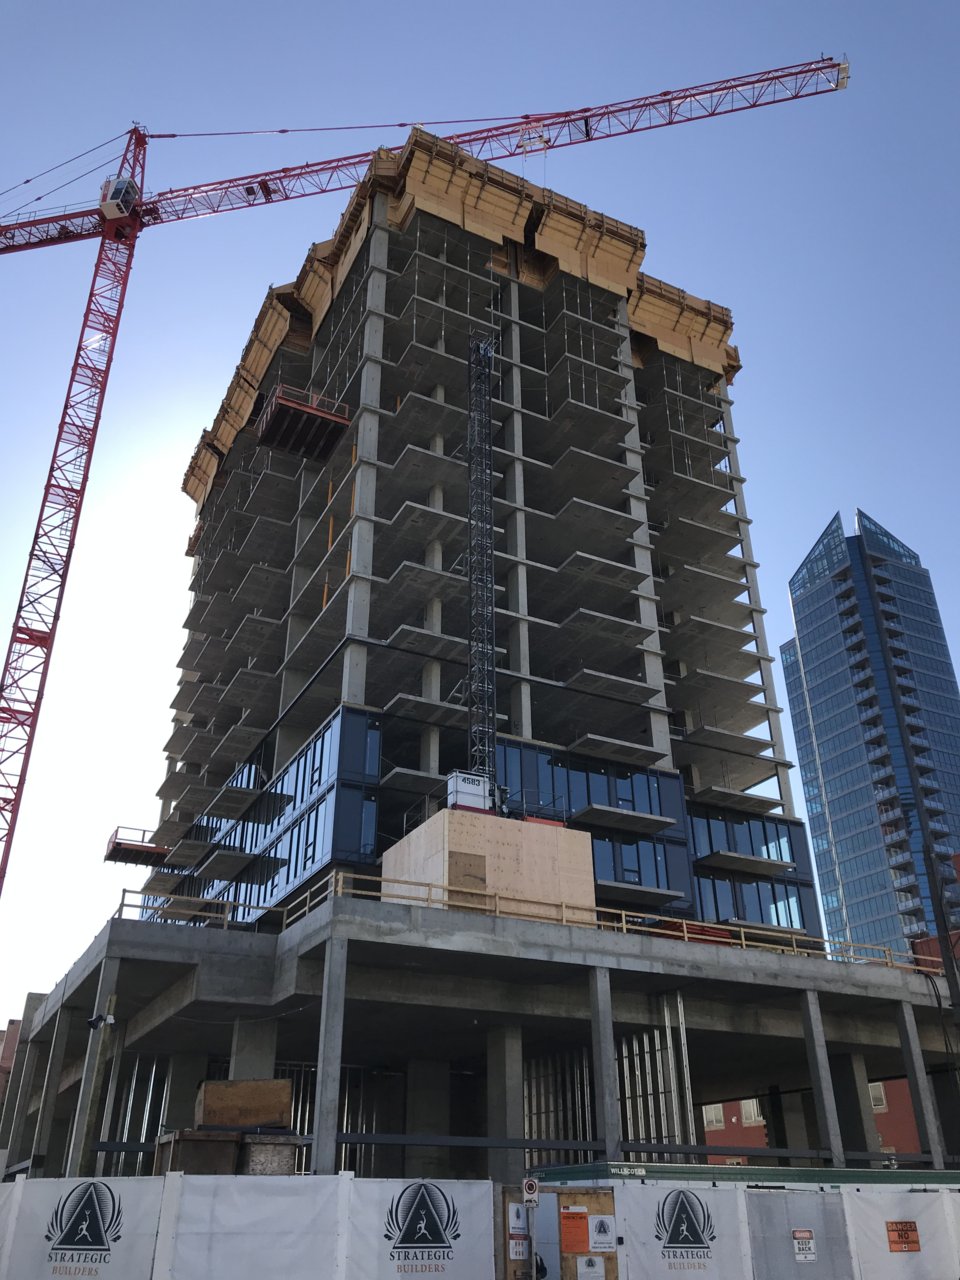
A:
(183, 1227)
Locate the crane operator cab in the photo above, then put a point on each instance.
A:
(117, 197)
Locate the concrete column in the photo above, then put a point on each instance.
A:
(51, 1090)
(428, 1111)
(505, 1102)
(20, 1059)
(20, 1104)
(787, 1124)
(821, 1081)
(99, 1046)
(110, 1099)
(253, 1051)
(185, 1072)
(326, 1107)
(946, 1093)
(921, 1095)
(606, 1084)
(851, 1088)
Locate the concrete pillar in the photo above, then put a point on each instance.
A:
(921, 1094)
(99, 1047)
(110, 1099)
(51, 1090)
(851, 1088)
(253, 1051)
(606, 1083)
(21, 1058)
(428, 1111)
(17, 1148)
(185, 1073)
(946, 1093)
(505, 1102)
(821, 1081)
(789, 1123)
(326, 1107)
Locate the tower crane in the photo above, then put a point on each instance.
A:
(124, 211)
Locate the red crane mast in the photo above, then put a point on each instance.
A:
(124, 212)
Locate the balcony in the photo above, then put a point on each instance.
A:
(905, 881)
(876, 753)
(886, 793)
(908, 905)
(133, 845)
(900, 858)
(298, 422)
(895, 838)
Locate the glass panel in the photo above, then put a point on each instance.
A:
(603, 859)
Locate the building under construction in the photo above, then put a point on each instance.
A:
(623, 925)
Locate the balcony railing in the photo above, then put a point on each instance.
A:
(227, 914)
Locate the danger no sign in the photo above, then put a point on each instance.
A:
(903, 1237)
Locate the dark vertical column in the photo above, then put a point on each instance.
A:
(326, 1105)
(924, 1112)
(606, 1087)
(505, 1101)
(428, 1111)
(858, 1127)
(820, 1079)
(946, 1093)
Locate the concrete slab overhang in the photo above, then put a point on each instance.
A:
(629, 820)
(743, 864)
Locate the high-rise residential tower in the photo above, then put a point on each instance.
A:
(876, 713)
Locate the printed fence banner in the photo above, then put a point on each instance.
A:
(90, 1227)
(420, 1228)
(692, 1228)
(10, 1193)
(223, 1228)
(901, 1234)
(799, 1234)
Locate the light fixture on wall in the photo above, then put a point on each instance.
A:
(99, 1019)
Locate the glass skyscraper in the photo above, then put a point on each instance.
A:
(876, 714)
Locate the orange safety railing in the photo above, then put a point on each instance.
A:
(228, 914)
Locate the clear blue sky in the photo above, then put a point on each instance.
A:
(829, 228)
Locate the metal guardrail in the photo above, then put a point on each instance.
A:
(227, 914)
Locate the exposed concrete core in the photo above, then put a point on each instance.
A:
(539, 994)
(505, 1101)
(253, 1053)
